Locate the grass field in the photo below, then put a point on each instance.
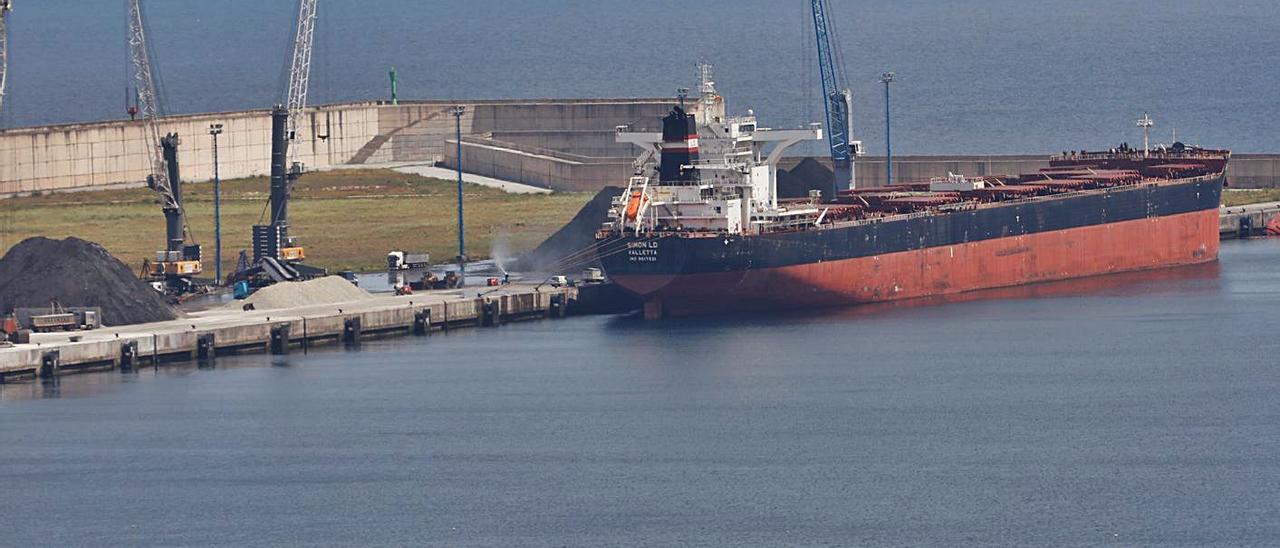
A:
(345, 219)
(1252, 196)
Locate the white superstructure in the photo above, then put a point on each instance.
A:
(733, 189)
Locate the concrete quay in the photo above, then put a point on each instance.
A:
(1247, 220)
(225, 330)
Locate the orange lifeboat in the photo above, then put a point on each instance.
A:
(633, 205)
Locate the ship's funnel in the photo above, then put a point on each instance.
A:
(679, 146)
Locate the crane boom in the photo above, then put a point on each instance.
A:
(300, 67)
(272, 243)
(148, 105)
(837, 102)
(5, 7)
(178, 262)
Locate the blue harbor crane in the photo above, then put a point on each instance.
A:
(838, 104)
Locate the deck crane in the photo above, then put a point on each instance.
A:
(178, 262)
(837, 103)
(5, 7)
(276, 252)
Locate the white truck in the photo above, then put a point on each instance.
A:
(400, 260)
(593, 276)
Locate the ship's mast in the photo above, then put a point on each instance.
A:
(712, 103)
(1146, 123)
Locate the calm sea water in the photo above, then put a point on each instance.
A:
(997, 76)
(1132, 410)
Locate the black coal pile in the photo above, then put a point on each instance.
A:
(574, 237)
(73, 272)
(807, 175)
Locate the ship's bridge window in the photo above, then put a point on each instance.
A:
(747, 128)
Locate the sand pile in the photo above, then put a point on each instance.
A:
(326, 290)
(578, 234)
(74, 272)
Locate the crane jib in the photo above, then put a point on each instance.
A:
(5, 6)
(300, 65)
(148, 105)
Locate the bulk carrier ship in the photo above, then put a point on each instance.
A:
(701, 228)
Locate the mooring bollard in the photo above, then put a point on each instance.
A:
(205, 346)
(49, 364)
(280, 339)
(557, 306)
(351, 331)
(128, 356)
(489, 313)
(422, 322)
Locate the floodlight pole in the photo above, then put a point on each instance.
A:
(215, 130)
(887, 78)
(458, 111)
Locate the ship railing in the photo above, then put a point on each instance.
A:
(1122, 155)
(1003, 203)
(957, 207)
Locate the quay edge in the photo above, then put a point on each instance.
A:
(212, 333)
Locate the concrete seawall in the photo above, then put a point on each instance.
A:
(565, 144)
(113, 153)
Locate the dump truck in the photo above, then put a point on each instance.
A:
(400, 260)
(44, 320)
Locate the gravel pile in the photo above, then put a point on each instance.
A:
(326, 290)
(578, 234)
(807, 175)
(74, 272)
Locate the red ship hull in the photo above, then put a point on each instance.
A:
(1140, 244)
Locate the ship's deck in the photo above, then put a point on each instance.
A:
(1070, 175)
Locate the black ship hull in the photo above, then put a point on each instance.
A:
(1002, 244)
